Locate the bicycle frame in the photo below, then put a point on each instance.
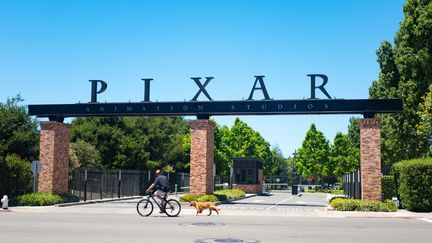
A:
(156, 201)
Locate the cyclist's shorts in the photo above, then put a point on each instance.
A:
(159, 193)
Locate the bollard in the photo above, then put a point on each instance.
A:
(395, 201)
(5, 202)
(175, 189)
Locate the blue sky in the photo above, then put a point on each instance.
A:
(50, 49)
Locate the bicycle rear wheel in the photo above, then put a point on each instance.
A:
(144, 207)
(172, 208)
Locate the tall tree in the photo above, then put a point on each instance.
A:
(221, 150)
(424, 128)
(83, 154)
(312, 158)
(135, 142)
(18, 131)
(280, 164)
(19, 144)
(406, 73)
(105, 134)
(243, 141)
(354, 131)
(344, 156)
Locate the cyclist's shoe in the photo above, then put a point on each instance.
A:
(161, 211)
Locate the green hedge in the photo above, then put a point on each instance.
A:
(39, 199)
(66, 197)
(388, 187)
(216, 196)
(414, 183)
(189, 198)
(336, 197)
(342, 204)
(230, 194)
(199, 198)
(45, 199)
(334, 192)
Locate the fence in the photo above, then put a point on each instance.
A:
(92, 183)
(352, 184)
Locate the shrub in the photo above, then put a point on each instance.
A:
(339, 196)
(388, 187)
(15, 176)
(230, 194)
(220, 197)
(189, 198)
(334, 192)
(341, 204)
(414, 184)
(39, 199)
(207, 198)
(216, 196)
(66, 197)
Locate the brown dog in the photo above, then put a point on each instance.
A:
(200, 206)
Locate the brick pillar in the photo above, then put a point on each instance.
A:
(260, 180)
(53, 155)
(370, 159)
(201, 157)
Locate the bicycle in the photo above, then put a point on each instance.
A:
(145, 206)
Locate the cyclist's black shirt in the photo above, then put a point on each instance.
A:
(161, 182)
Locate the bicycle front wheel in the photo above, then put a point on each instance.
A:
(144, 207)
(172, 208)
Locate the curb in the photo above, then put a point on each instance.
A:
(229, 201)
(95, 201)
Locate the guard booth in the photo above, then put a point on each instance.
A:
(247, 174)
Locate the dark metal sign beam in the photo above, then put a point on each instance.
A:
(205, 109)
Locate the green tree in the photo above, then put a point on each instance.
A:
(291, 171)
(83, 154)
(18, 131)
(406, 73)
(279, 163)
(135, 142)
(19, 144)
(312, 159)
(15, 176)
(243, 141)
(344, 156)
(222, 152)
(424, 128)
(105, 134)
(354, 131)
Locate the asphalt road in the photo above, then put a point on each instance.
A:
(277, 218)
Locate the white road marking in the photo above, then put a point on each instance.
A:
(426, 220)
(278, 203)
(257, 201)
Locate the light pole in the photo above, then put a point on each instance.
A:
(294, 156)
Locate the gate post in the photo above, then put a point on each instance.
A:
(54, 156)
(201, 157)
(370, 159)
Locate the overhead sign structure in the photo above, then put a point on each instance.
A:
(205, 109)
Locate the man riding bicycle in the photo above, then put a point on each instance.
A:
(162, 187)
